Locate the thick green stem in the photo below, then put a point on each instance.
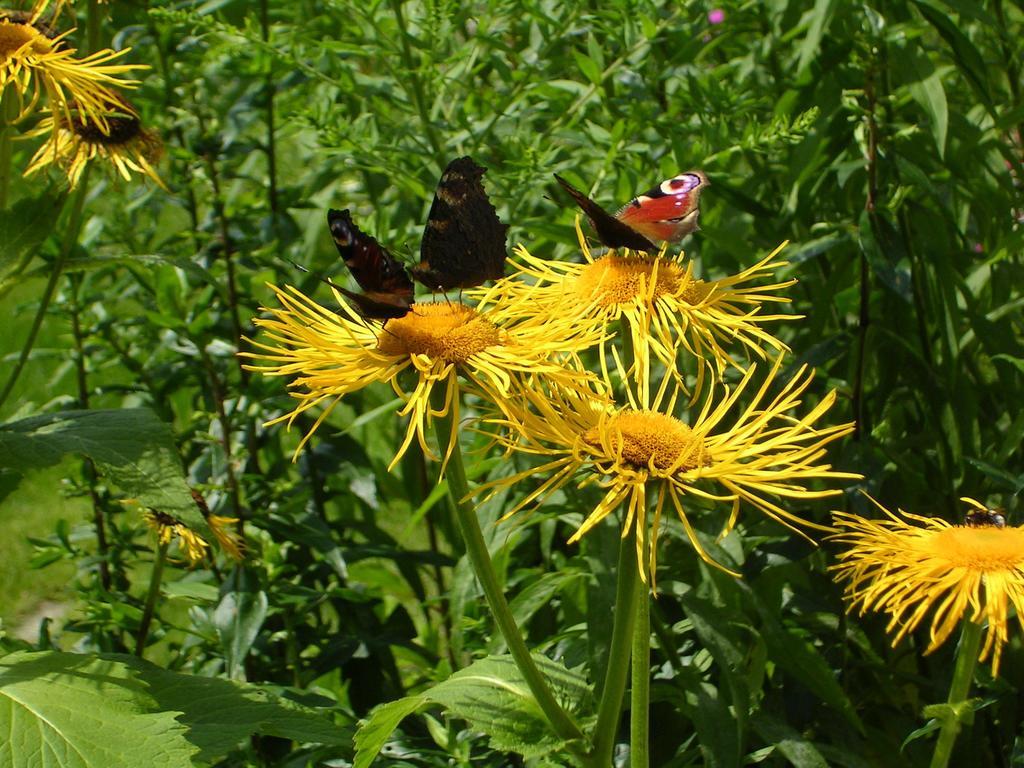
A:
(963, 674)
(610, 708)
(640, 689)
(480, 558)
(154, 589)
(9, 106)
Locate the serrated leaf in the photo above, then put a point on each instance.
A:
(221, 713)
(62, 710)
(492, 696)
(131, 446)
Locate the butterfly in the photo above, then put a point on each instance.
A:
(667, 211)
(464, 244)
(388, 287)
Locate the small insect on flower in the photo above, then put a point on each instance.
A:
(913, 567)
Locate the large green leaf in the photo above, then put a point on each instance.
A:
(131, 446)
(493, 697)
(59, 710)
(72, 711)
(925, 86)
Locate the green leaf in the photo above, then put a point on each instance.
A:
(131, 446)
(221, 713)
(797, 749)
(24, 227)
(374, 733)
(61, 710)
(492, 696)
(926, 89)
(238, 618)
(821, 14)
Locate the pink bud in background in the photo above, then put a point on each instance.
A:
(979, 248)
(716, 16)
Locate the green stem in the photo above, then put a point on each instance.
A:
(154, 590)
(640, 690)
(476, 548)
(9, 106)
(609, 709)
(959, 687)
(71, 236)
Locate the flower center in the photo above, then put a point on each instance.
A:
(617, 280)
(649, 437)
(982, 549)
(445, 331)
(122, 129)
(15, 31)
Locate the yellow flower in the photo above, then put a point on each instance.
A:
(33, 63)
(916, 566)
(168, 528)
(665, 305)
(644, 450)
(75, 139)
(498, 354)
(192, 545)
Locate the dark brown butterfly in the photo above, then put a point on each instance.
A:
(668, 211)
(388, 291)
(464, 240)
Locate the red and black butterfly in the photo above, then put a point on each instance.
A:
(666, 212)
(463, 245)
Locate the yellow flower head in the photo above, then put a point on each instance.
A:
(33, 62)
(193, 546)
(75, 139)
(913, 567)
(168, 528)
(644, 450)
(497, 353)
(666, 306)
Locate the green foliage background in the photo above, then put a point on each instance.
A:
(883, 139)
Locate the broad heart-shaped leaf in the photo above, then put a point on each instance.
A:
(23, 228)
(60, 710)
(82, 711)
(492, 697)
(131, 446)
(238, 617)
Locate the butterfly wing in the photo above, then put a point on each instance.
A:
(668, 211)
(388, 288)
(610, 231)
(464, 240)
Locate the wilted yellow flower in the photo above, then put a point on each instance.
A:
(915, 568)
(644, 450)
(497, 354)
(193, 546)
(665, 304)
(75, 139)
(34, 62)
